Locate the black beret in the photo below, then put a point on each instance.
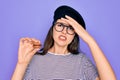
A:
(67, 10)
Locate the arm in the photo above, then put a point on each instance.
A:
(104, 69)
(19, 71)
(27, 48)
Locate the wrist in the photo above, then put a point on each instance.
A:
(22, 64)
(19, 71)
(91, 42)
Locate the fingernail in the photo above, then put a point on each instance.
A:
(62, 18)
(66, 15)
(37, 49)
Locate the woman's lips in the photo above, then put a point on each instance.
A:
(63, 38)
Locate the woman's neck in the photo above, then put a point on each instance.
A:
(58, 50)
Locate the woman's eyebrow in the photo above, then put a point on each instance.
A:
(63, 23)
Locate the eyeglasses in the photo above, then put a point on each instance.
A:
(59, 27)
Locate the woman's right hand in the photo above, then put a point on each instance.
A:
(27, 48)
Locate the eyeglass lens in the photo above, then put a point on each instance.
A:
(60, 27)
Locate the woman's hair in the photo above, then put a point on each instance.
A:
(73, 47)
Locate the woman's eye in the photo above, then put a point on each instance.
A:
(70, 28)
(60, 25)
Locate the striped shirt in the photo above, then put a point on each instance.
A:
(60, 67)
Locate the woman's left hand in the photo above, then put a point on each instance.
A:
(78, 29)
(97, 53)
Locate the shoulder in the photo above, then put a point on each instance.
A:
(84, 60)
(82, 56)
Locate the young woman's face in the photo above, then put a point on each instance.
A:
(63, 34)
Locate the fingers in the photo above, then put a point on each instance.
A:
(28, 45)
(36, 42)
(33, 41)
(34, 51)
(72, 22)
(68, 19)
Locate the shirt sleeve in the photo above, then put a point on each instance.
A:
(89, 70)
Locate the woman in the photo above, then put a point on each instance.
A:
(60, 58)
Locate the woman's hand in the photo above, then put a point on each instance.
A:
(27, 48)
(78, 29)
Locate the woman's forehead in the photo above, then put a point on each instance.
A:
(61, 21)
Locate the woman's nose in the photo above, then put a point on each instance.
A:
(64, 30)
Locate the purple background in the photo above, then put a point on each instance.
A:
(32, 18)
